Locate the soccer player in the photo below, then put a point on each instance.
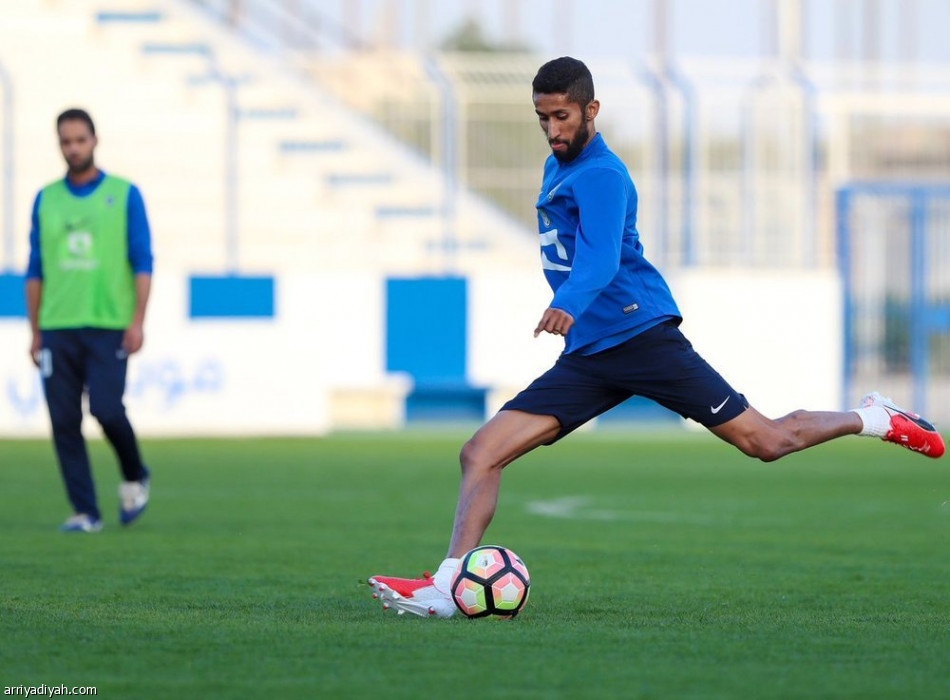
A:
(87, 286)
(620, 328)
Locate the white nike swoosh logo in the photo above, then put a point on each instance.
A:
(719, 407)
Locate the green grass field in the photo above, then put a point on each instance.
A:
(661, 568)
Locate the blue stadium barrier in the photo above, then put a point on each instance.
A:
(330, 145)
(189, 49)
(427, 338)
(446, 402)
(121, 17)
(231, 296)
(453, 245)
(267, 114)
(396, 212)
(340, 179)
(12, 296)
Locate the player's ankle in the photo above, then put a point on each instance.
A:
(443, 577)
(876, 421)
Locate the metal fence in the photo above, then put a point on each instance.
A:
(736, 163)
(894, 242)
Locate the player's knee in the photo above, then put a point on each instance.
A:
(63, 423)
(107, 413)
(474, 456)
(469, 455)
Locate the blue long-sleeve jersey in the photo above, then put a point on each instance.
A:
(591, 251)
(139, 233)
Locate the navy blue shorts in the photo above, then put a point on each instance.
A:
(659, 364)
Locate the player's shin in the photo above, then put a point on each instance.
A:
(478, 498)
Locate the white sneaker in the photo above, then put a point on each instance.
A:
(133, 497)
(81, 523)
(418, 596)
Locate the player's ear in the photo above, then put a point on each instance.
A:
(593, 107)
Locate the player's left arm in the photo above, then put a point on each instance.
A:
(601, 197)
(140, 258)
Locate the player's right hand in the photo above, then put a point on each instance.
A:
(554, 321)
(35, 348)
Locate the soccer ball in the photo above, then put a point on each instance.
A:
(490, 580)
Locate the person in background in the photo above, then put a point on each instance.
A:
(87, 287)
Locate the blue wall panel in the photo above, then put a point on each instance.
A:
(12, 296)
(426, 328)
(231, 296)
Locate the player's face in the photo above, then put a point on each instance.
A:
(78, 143)
(567, 126)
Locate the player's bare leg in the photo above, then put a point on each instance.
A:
(768, 439)
(499, 442)
(507, 436)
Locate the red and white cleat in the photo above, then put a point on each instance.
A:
(418, 596)
(908, 429)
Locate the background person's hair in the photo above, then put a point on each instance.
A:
(76, 114)
(565, 75)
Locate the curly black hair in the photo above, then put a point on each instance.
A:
(565, 75)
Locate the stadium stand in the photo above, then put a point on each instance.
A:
(283, 177)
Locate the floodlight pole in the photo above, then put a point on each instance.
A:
(670, 77)
(231, 168)
(662, 170)
(450, 173)
(661, 110)
(229, 86)
(690, 136)
(8, 171)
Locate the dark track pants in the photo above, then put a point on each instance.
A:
(90, 359)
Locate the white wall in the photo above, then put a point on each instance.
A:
(503, 311)
(775, 336)
(205, 377)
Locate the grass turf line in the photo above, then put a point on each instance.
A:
(669, 568)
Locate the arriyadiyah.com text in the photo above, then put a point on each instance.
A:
(28, 691)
